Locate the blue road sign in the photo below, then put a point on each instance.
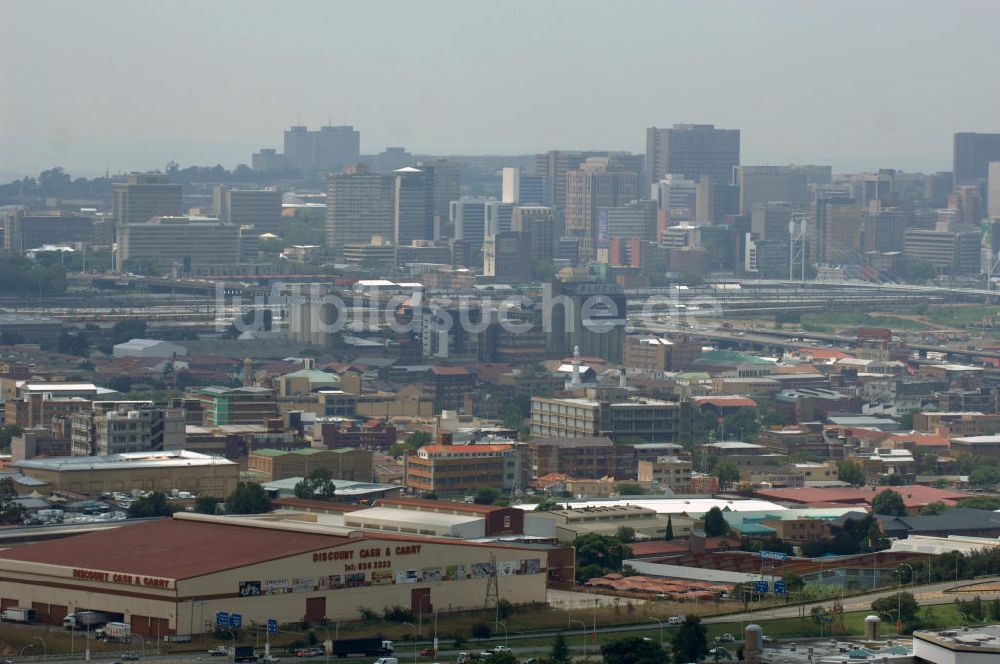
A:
(773, 555)
(235, 620)
(760, 586)
(222, 618)
(272, 626)
(780, 587)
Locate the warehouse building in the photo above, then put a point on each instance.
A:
(260, 569)
(142, 471)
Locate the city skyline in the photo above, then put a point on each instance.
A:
(857, 89)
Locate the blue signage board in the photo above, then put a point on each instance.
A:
(780, 587)
(272, 626)
(222, 618)
(760, 586)
(235, 620)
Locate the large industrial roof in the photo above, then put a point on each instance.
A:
(676, 505)
(172, 548)
(121, 461)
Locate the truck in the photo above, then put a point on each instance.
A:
(19, 614)
(244, 654)
(87, 619)
(369, 647)
(114, 631)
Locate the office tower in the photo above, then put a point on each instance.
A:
(335, 147)
(769, 226)
(498, 216)
(468, 218)
(883, 230)
(144, 196)
(993, 191)
(268, 160)
(187, 241)
(260, 208)
(359, 204)
(949, 251)
(414, 213)
(591, 316)
(447, 176)
(695, 151)
(937, 188)
(678, 197)
(553, 166)
(634, 219)
(836, 222)
(510, 184)
(24, 232)
(766, 184)
(968, 204)
(506, 256)
(539, 223)
(599, 182)
(299, 148)
(972, 156)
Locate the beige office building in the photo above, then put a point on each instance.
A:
(187, 241)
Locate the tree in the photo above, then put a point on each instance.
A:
(207, 505)
(481, 631)
(630, 489)
(248, 498)
(121, 384)
(597, 555)
(413, 442)
(690, 643)
(933, 509)
(850, 472)
(889, 503)
(793, 582)
(727, 472)
(670, 528)
(633, 650)
(715, 523)
(560, 651)
(128, 329)
(625, 534)
(155, 504)
(547, 505)
(12, 512)
(7, 434)
(981, 503)
(501, 658)
(742, 423)
(803, 456)
(985, 477)
(904, 603)
(485, 495)
(318, 485)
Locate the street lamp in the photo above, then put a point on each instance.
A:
(45, 646)
(504, 623)
(414, 628)
(899, 595)
(583, 625)
(660, 623)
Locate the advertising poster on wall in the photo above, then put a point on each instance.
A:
(250, 588)
(481, 570)
(277, 586)
(432, 574)
(381, 578)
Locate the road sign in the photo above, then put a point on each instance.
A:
(222, 618)
(760, 586)
(235, 620)
(780, 587)
(272, 626)
(773, 555)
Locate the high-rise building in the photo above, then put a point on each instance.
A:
(968, 204)
(949, 251)
(517, 187)
(766, 184)
(695, 150)
(599, 182)
(972, 156)
(260, 208)
(119, 428)
(883, 230)
(837, 223)
(24, 232)
(268, 160)
(359, 204)
(187, 241)
(539, 223)
(335, 147)
(468, 218)
(591, 316)
(993, 191)
(414, 213)
(144, 196)
(682, 199)
(299, 149)
(634, 219)
(498, 215)
(506, 256)
(553, 166)
(447, 177)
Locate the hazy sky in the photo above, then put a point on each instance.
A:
(129, 85)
